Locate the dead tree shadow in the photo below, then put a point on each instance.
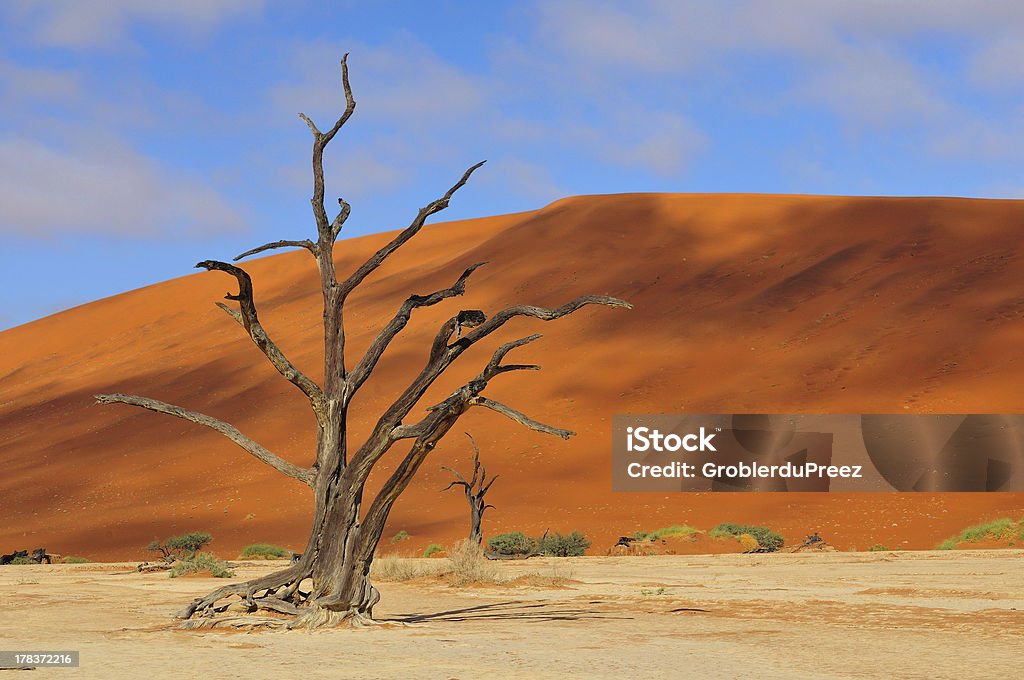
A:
(508, 611)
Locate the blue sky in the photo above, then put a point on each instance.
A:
(138, 137)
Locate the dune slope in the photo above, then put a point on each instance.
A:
(743, 303)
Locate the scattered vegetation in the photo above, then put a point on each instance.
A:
(767, 540)
(512, 543)
(71, 559)
(400, 536)
(674, 531)
(23, 560)
(878, 547)
(265, 551)
(647, 592)
(999, 529)
(464, 565)
(569, 545)
(553, 545)
(180, 547)
(468, 565)
(388, 568)
(432, 549)
(201, 561)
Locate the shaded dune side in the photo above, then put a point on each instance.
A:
(743, 303)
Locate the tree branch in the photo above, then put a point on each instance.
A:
(520, 418)
(543, 313)
(304, 475)
(365, 367)
(249, 319)
(389, 427)
(344, 210)
(377, 258)
(305, 243)
(321, 140)
(459, 481)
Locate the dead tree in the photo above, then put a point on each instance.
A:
(476, 488)
(330, 583)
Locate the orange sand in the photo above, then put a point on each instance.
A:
(743, 303)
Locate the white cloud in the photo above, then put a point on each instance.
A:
(520, 177)
(103, 188)
(23, 85)
(852, 57)
(105, 23)
(661, 142)
(403, 83)
(999, 65)
(875, 87)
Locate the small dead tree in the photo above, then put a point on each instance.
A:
(330, 583)
(475, 489)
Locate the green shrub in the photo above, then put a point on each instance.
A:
(674, 531)
(265, 551)
(201, 561)
(998, 529)
(569, 545)
(22, 560)
(188, 544)
(71, 559)
(512, 543)
(433, 548)
(878, 547)
(766, 539)
(400, 536)
(182, 547)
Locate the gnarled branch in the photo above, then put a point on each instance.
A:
(305, 243)
(249, 319)
(302, 474)
(365, 367)
(378, 258)
(389, 426)
(321, 140)
(520, 418)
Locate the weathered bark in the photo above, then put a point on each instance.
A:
(475, 489)
(330, 582)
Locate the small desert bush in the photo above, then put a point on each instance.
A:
(569, 545)
(22, 560)
(265, 551)
(674, 531)
(71, 559)
(189, 544)
(433, 548)
(391, 568)
(878, 547)
(512, 543)
(201, 561)
(400, 536)
(998, 529)
(468, 565)
(766, 538)
(184, 546)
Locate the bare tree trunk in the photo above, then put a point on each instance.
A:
(475, 489)
(330, 583)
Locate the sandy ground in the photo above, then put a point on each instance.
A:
(830, 615)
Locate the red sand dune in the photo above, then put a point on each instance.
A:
(742, 304)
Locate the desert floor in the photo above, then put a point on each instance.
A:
(956, 614)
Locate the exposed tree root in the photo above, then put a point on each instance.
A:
(278, 595)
